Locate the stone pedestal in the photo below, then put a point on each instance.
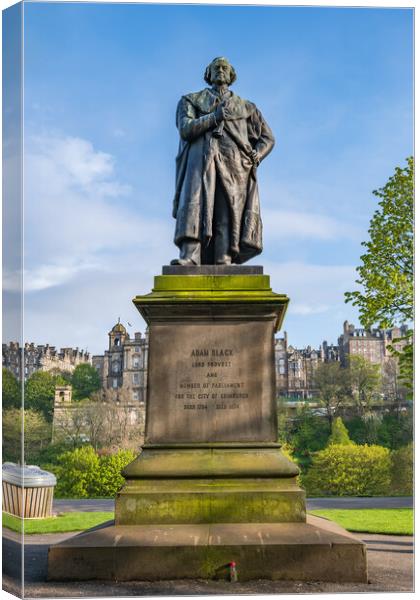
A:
(210, 453)
(211, 479)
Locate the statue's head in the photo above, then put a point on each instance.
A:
(220, 72)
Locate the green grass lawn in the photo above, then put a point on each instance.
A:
(72, 521)
(394, 521)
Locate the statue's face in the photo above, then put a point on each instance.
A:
(220, 72)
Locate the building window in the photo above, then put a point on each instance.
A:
(136, 361)
(115, 367)
(137, 349)
(135, 396)
(115, 383)
(117, 342)
(136, 379)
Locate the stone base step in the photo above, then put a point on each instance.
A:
(314, 551)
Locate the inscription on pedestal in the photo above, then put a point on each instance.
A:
(216, 384)
(211, 382)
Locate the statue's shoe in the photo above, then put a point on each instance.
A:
(185, 262)
(224, 260)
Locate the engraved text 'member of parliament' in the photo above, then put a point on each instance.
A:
(216, 204)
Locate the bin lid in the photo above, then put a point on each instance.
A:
(27, 475)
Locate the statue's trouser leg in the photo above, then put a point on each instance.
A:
(191, 250)
(221, 229)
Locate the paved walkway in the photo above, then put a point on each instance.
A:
(106, 505)
(390, 565)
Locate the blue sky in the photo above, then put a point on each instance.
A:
(101, 87)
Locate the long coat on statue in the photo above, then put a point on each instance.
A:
(212, 155)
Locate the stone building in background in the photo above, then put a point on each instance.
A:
(363, 342)
(123, 367)
(372, 344)
(41, 358)
(295, 367)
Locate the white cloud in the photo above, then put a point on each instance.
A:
(74, 158)
(72, 162)
(53, 274)
(88, 249)
(75, 220)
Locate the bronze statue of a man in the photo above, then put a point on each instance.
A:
(216, 204)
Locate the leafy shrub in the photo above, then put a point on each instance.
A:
(81, 473)
(110, 467)
(339, 433)
(287, 450)
(402, 471)
(77, 473)
(349, 470)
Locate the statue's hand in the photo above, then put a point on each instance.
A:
(220, 112)
(223, 113)
(255, 157)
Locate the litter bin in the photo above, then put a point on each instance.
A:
(27, 491)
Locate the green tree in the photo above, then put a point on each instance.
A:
(402, 472)
(12, 425)
(49, 454)
(64, 375)
(40, 391)
(392, 387)
(386, 274)
(309, 434)
(332, 382)
(85, 380)
(365, 381)
(372, 422)
(339, 433)
(11, 390)
(405, 358)
(392, 430)
(37, 434)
